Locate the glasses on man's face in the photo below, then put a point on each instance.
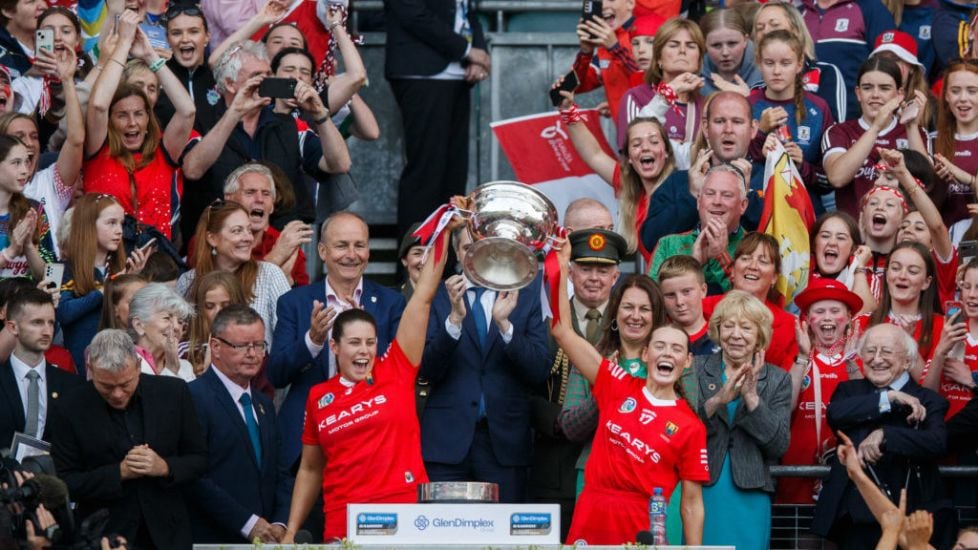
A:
(870, 352)
(258, 347)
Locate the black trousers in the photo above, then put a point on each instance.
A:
(435, 116)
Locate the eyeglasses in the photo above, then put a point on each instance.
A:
(258, 347)
(180, 9)
(870, 351)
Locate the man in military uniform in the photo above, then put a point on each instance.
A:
(595, 256)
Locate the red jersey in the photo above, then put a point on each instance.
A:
(155, 186)
(370, 436)
(641, 443)
(811, 436)
(841, 136)
(304, 17)
(611, 69)
(641, 212)
(957, 395)
(946, 274)
(783, 348)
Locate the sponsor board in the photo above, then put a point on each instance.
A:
(385, 524)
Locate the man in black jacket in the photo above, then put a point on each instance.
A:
(435, 53)
(129, 443)
(898, 430)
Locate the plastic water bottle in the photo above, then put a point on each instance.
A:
(657, 516)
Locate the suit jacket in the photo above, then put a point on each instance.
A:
(87, 450)
(290, 363)
(854, 409)
(962, 427)
(755, 439)
(459, 370)
(235, 487)
(421, 37)
(12, 408)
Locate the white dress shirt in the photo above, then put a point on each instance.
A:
(20, 375)
(332, 299)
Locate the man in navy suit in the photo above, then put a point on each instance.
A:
(28, 385)
(246, 492)
(485, 351)
(898, 430)
(300, 357)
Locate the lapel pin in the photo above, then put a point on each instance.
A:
(373, 299)
(261, 409)
(712, 387)
(54, 395)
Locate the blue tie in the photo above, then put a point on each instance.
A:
(479, 316)
(249, 414)
(481, 327)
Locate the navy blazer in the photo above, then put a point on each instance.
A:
(12, 408)
(234, 486)
(421, 37)
(908, 452)
(290, 363)
(506, 373)
(87, 454)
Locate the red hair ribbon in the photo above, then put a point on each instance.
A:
(879, 188)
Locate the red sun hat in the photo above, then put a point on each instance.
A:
(828, 289)
(646, 25)
(900, 44)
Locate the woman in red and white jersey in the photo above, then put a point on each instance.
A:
(823, 361)
(647, 436)
(362, 439)
(953, 373)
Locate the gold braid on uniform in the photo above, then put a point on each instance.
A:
(561, 365)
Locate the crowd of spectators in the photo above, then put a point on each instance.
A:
(166, 168)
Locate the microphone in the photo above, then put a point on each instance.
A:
(52, 492)
(303, 536)
(645, 537)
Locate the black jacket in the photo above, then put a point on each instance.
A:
(88, 443)
(421, 37)
(12, 408)
(201, 85)
(909, 453)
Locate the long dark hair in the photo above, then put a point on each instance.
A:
(851, 226)
(883, 65)
(85, 63)
(927, 304)
(611, 338)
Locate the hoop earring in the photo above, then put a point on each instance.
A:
(614, 325)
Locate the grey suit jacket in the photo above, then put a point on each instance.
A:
(755, 439)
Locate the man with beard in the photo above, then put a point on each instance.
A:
(29, 384)
(899, 432)
(728, 127)
(721, 205)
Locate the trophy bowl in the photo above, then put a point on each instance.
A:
(510, 222)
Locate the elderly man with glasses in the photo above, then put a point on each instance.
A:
(898, 431)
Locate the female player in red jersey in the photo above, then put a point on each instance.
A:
(362, 440)
(647, 436)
